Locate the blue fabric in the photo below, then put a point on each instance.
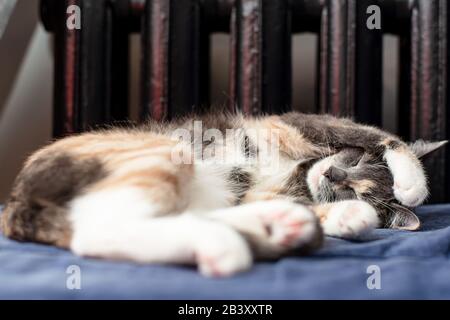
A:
(413, 265)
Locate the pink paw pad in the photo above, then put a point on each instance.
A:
(286, 228)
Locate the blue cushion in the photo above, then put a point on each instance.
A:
(412, 265)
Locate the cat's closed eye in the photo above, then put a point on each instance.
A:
(355, 161)
(346, 193)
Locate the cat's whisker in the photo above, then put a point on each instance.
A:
(380, 202)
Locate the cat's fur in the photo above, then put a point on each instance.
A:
(125, 194)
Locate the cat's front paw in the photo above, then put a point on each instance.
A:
(410, 184)
(222, 252)
(350, 219)
(289, 225)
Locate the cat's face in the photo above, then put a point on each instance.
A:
(354, 174)
(350, 174)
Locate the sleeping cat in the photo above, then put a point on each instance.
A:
(217, 191)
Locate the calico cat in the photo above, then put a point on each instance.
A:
(217, 191)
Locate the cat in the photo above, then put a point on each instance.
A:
(217, 191)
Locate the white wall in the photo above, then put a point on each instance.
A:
(25, 118)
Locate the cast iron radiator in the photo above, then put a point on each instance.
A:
(91, 63)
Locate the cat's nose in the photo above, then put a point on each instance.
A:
(335, 174)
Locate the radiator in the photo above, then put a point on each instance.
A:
(91, 63)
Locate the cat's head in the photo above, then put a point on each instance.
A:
(354, 174)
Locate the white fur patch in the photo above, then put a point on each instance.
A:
(350, 218)
(290, 225)
(98, 217)
(410, 184)
(121, 224)
(124, 202)
(209, 188)
(315, 175)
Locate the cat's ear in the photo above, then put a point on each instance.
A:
(404, 219)
(422, 148)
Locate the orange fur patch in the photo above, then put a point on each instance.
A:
(362, 186)
(291, 142)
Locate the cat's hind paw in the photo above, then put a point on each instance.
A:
(223, 252)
